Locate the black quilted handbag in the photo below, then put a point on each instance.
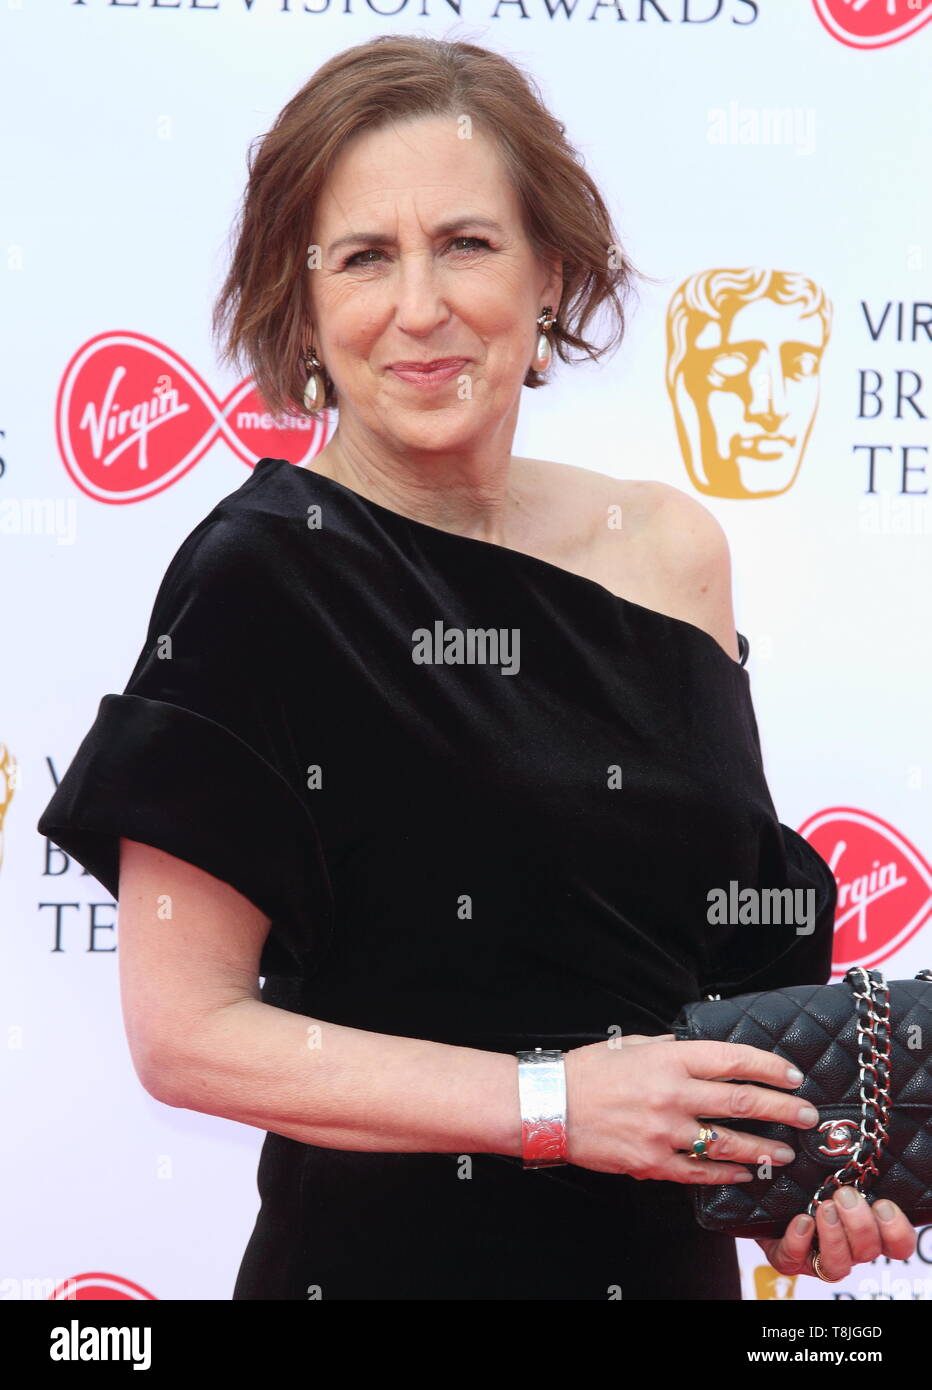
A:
(864, 1048)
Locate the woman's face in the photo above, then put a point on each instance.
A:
(437, 266)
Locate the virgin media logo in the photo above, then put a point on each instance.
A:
(132, 418)
(884, 884)
(873, 23)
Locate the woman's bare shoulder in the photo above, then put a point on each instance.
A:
(585, 493)
(663, 548)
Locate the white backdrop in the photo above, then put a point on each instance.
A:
(782, 135)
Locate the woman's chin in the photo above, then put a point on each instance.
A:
(437, 429)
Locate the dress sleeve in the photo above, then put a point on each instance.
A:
(751, 959)
(196, 756)
(775, 956)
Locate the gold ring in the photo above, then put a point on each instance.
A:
(818, 1271)
(700, 1145)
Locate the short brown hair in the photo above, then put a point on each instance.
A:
(261, 315)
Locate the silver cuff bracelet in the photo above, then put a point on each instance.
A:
(542, 1097)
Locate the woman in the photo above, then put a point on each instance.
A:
(427, 740)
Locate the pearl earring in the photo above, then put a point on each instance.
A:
(314, 389)
(544, 355)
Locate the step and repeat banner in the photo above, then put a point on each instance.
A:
(766, 164)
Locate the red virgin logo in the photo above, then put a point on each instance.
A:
(132, 418)
(873, 23)
(884, 884)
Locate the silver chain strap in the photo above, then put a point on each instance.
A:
(872, 1005)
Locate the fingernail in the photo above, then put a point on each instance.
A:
(793, 1075)
(847, 1198)
(831, 1213)
(802, 1224)
(744, 1177)
(807, 1115)
(885, 1210)
(784, 1155)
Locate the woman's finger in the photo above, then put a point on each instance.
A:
(735, 1147)
(860, 1226)
(868, 1230)
(793, 1253)
(897, 1233)
(721, 1061)
(692, 1171)
(635, 1038)
(789, 1254)
(724, 1101)
(835, 1254)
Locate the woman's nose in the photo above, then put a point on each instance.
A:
(416, 292)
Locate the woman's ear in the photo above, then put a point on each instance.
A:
(553, 290)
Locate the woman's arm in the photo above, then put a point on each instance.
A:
(202, 1039)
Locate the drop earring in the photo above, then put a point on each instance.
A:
(314, 389)
(544, 355)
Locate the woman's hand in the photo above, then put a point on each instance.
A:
(851, 1231)
(634, 1106)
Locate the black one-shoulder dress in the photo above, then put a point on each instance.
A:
(483, 801)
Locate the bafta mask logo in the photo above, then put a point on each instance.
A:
(769, 1284)
(744, 354)
(9, 781)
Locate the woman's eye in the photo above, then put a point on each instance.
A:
(476, 240)
(355, 259)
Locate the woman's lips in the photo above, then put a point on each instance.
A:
(432, 376)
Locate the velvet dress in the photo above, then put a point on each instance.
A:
(483, 801)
